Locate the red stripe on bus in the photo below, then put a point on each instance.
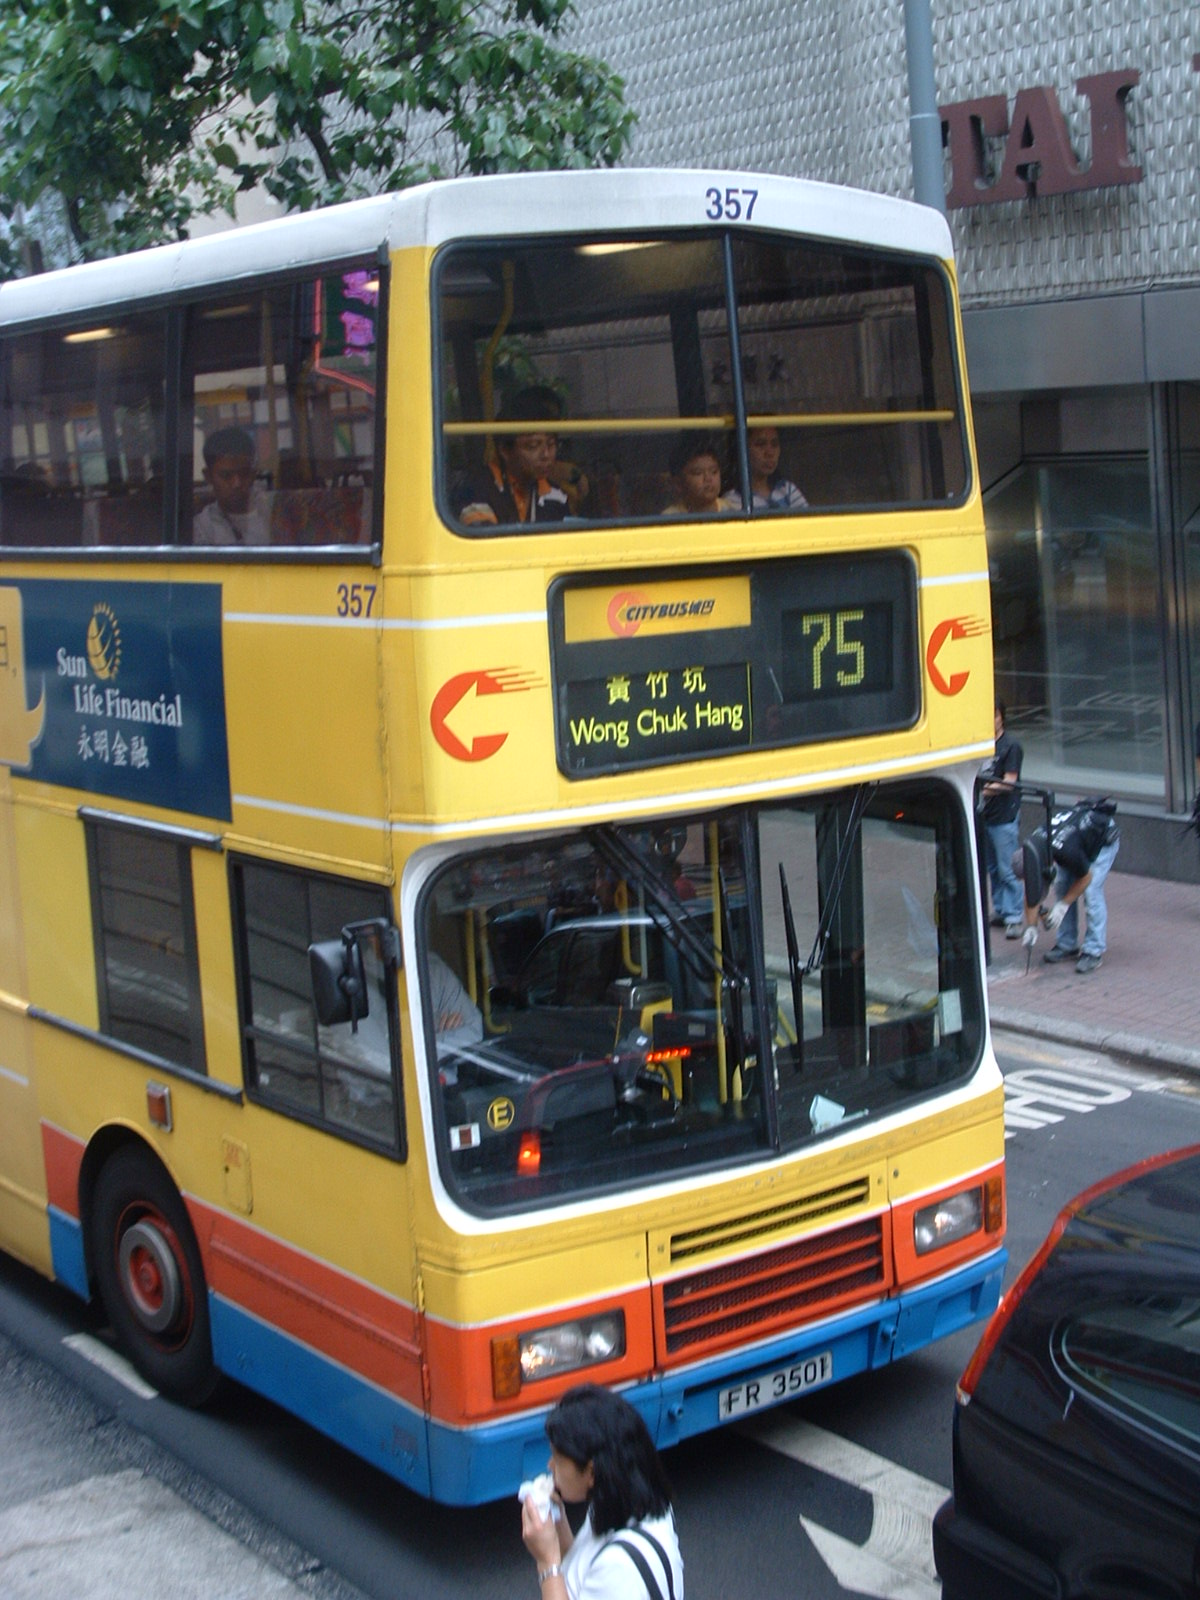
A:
(460, 1359)
(366, 1331)
(63, 1156)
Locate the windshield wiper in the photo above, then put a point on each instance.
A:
(621, 854)
(795, 970)
(798, 973)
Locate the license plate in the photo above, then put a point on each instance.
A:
(773, 1387)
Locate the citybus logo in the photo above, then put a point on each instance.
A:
(627, 610)
(950, 683)
(618, 612)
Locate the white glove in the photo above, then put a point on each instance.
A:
(1029, 937)
(1055, 915)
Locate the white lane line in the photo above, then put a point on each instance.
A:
(100, 1355)
(896, 1563)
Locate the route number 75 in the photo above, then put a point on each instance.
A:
(730, 204)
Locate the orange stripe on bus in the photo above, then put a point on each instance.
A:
(364, 1330)
(460, 1359)
(912, 1268)
(63, 1156)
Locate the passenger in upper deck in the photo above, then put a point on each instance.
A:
(769, 489)
(240, 511)
(696, 469)
(520, 485)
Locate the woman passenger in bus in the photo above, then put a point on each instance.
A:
(627, 1548)
(696, 470)
(769, 489)
(520, 485)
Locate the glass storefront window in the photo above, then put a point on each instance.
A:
(1186, 468)
(1074, 562)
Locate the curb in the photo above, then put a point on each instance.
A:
(1130, 1046)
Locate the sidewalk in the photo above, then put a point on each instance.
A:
(1144, 1002)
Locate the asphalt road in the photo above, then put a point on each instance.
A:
(824, 1497)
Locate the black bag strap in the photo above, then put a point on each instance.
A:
(653, 1588)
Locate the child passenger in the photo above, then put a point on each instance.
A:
(696, 470)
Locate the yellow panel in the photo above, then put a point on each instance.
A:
(544, 1278)
(58, 928)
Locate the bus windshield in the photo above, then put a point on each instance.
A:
(645, 1001)
(701, 374)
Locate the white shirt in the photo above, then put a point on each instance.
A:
(214, 526)
(594, 1570)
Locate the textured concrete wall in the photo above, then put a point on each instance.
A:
(818, 89)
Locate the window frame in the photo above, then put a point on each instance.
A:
(923, 268)
(181, 841)
(397, 1146)
(176, 309)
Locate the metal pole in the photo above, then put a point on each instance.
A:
(925, 125)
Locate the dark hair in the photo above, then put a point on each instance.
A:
(589, 1424)
(538, 403)
(1003, 710)
(228, 442)
(690, 446)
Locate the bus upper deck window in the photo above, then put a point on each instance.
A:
(845, 396)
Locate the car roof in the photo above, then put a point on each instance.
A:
(1154, 1204)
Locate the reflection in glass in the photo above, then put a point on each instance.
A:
(649, 1003)
(1075, 616)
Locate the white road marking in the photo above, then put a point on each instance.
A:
(122, 1537)
(896, 1563)
(100, 1355)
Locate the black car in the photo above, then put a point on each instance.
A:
(1077, 1427)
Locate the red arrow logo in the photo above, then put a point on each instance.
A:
(951, 628)
(452, 716)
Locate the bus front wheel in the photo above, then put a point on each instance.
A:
(150, 1276)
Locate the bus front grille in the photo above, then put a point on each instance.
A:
(778, 1288)
(785, 1217)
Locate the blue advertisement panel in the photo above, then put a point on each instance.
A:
(116, 688)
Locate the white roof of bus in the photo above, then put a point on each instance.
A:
(517, 204)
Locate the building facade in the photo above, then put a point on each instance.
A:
(1072, 143)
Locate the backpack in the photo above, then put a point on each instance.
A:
(1095, 820)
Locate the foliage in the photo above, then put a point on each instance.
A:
(127, 118)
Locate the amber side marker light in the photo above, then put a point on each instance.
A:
(1009, 1301)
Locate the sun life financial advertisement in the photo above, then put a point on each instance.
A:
(118, 689)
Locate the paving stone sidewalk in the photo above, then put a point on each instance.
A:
(1144, 1002)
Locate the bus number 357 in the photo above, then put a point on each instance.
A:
(355, 599)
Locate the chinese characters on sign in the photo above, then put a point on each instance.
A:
(655, 715)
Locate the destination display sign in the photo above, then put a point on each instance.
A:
(650, 670)
(660, 715)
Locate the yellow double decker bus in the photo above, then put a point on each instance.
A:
(491, 681)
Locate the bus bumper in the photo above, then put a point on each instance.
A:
(472, 1465)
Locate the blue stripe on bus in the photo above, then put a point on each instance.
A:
(367, 1420)
(469, 1466)
(486, 1463)
(66, 1252)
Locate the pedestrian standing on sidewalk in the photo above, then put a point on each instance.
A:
(1083, 845)
(1000, 807)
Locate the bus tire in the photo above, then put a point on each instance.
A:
(150, 1276)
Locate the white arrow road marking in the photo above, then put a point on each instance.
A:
(108, 1360)
(896, 1563)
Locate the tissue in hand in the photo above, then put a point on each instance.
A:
(540, 1489)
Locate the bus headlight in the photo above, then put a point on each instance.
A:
(955, 1217)
(548, 1352)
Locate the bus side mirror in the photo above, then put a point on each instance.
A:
(339, 981)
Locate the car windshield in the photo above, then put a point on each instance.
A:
(625, 1002)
